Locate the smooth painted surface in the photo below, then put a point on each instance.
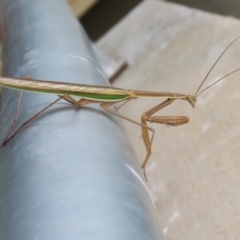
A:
(71, 173)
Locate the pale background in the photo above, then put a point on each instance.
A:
(194, 171)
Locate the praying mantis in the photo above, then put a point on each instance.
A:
(106, 97)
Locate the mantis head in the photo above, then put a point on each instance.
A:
(192, 100)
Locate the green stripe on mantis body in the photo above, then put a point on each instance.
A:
(90, 92)
(93, 96)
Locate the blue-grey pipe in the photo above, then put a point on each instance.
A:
(70, 173)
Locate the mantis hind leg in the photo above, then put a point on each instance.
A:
(148, 141)
(16, 116)
(14, 120)
(67, 98)
(11, 135)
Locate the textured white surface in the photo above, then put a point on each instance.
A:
(194, 171)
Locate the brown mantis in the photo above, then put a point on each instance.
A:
(106, 97)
